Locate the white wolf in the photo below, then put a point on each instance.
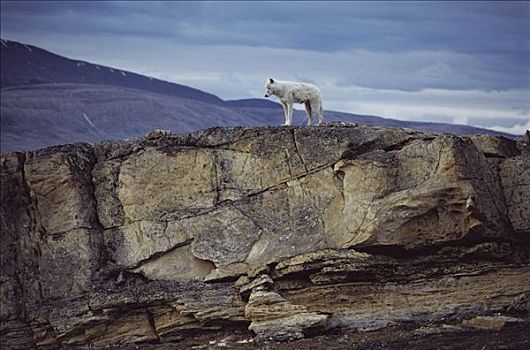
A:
(292, 92)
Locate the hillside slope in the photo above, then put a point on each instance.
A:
(23, 64)
(39, 115)
(356, 237)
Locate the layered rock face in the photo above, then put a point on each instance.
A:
(275, 233)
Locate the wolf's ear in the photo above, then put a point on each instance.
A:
(271, 81)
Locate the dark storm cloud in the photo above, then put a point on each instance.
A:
(498, 31)
(321, 26)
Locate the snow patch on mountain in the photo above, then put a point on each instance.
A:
(89, 121)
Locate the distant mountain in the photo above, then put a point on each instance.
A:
(253, 103)
(23, 64)
(48, 99)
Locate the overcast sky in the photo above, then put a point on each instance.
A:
(456, 62)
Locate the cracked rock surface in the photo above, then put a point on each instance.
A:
(274, 233)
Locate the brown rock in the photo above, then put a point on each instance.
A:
(489, 323)
(296, 230)
(515, 175)
(177, 264)
(263, 282)
(495, 146)
(273, 317)
(157, 133)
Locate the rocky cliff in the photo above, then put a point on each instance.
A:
(333, 237)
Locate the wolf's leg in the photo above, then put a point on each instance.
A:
(285, 113)
(289, 119)
(309, 113)
(320, 112)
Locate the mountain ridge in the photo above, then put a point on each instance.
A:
(47, 67)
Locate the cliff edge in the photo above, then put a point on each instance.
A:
(346, 236)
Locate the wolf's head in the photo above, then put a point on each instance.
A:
(269, 87)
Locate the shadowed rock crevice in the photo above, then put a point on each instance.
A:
(159, 254)
(278, 233)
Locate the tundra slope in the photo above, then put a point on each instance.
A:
(265, 235)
